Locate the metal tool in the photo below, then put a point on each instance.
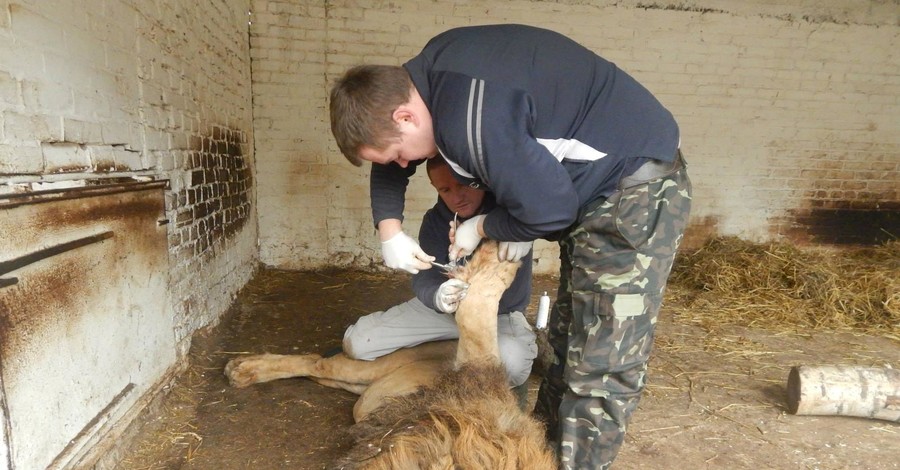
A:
(446, 267)
(452, 265)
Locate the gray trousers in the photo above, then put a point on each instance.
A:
(412, 323)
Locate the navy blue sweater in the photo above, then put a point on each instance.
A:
(544, 123)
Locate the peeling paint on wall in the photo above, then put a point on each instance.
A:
(677, 7)
(215, 202)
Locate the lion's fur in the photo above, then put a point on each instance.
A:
(467, 419)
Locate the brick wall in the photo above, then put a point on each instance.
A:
(790, 111)
(111, 90)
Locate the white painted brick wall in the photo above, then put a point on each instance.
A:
(118, 88)
(765, 93)
(105, 90)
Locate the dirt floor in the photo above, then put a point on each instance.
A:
(716, 397)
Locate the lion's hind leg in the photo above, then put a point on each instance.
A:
(249, 370)
(339, 371)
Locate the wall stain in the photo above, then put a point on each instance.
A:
(699, 231)
(90, 211)
(62, 289)
(41, 299)
(862, 224)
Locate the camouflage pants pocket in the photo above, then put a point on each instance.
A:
(609, 349)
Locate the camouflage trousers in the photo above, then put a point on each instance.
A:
(615, 261)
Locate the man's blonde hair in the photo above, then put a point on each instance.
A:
(362, 104)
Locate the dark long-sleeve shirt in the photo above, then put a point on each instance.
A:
(544, 123)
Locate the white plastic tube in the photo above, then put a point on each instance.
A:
(543, 312)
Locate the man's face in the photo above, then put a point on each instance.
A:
(416, 142)
(458, 197)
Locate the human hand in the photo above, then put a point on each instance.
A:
(449, 295)
(513, 251)
(466, 238)
(402, 252)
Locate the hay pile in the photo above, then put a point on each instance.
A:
(777, 286)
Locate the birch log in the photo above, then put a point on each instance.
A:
(866, 392)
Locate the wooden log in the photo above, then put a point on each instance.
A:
(866, 392)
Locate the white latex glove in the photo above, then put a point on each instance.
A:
(449, 294)
(513, 251)
(402, 252)
(466, 238)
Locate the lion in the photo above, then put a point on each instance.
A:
(439, 405)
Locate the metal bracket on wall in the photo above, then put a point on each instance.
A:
(31, 258)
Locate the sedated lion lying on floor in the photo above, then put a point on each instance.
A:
(437, 405)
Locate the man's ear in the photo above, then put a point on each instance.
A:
(405, 113)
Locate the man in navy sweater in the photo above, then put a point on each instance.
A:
(428, 316)
(574, 150)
